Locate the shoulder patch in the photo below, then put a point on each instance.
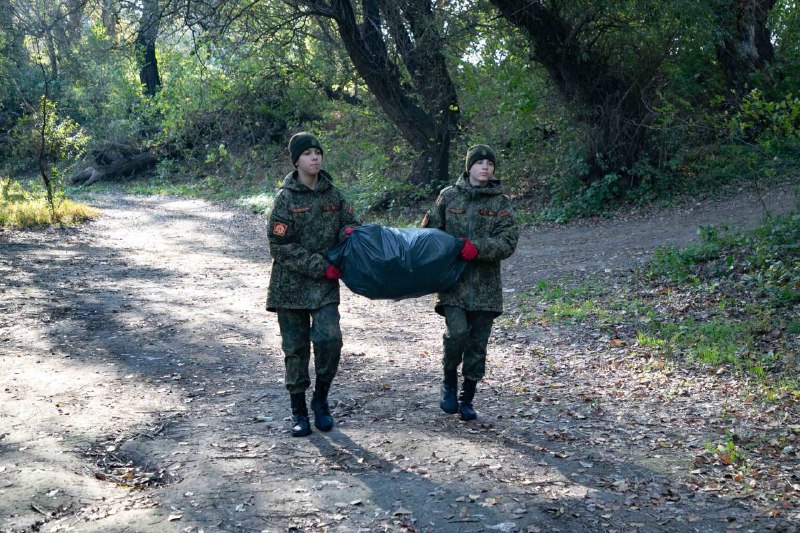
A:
(505, 213)
(350, 209)
(425, 221)
(279, 229)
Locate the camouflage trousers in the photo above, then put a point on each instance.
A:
(302, 328)
(465, 339)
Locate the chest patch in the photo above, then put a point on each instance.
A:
(488, 213)
(297, 210)
(456, 211)
(279, 229)
(330, 208)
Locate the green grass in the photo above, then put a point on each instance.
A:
(32, 213)
(729, 301)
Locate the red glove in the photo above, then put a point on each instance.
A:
(468, 252)
(331, 272)
(348, 230)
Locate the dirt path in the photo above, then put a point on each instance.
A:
(141, 390)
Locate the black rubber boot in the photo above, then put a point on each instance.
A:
(449, 403)
(465, 410)
(319, 404)
(301, 427)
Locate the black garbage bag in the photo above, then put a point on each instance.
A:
(396, 263)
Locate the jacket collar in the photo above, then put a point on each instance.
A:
(492, 188)
(291, 182)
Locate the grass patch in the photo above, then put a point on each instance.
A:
(729, 301)
(31, 213)
(155, 186)
(258, 203)
(570, 302)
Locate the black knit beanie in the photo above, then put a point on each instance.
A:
(300, 142)
(478, 152)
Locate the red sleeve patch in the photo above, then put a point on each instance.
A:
(279, 229)
(505, 213)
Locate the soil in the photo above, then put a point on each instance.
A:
(142, 390)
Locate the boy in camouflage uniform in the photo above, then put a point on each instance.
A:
(475, 210)
(309, 216)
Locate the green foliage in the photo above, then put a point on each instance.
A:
(230, 100)
(727, 451)
(104, 92)
(45, 135)
(529, 127)
(567, 302)
(768, 257)
(370, 167)
(52, 143)
(594, 200)
(11, 190)
(773, 124)
(763, 263)
(712, 342)
(679, 265)
(259, 203)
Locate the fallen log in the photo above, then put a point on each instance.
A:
(115, 163)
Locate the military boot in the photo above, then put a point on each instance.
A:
(465, 410)
(449, 403)
(301, 427)
(319, 404)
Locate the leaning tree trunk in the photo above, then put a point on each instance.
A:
(424, 110)
(146, 47)
(116, 161)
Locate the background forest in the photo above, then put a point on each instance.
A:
(588, 103)
(660, 396)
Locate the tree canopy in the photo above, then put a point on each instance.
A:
(586, 102)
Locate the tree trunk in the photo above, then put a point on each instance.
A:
(146, 47)
(746, 48)
(74, 19)
(425, 111)
(52, 54)
(109, 14)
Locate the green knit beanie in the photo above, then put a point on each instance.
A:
(478, 152)
(300, 142)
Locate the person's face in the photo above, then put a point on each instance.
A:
(310, 161)
(481, 172)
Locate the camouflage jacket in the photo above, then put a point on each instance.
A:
(485, 217)
(303, 225)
